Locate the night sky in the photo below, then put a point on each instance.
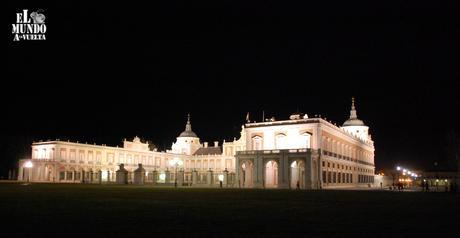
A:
(108, 72)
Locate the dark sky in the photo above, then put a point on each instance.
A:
(107, 72)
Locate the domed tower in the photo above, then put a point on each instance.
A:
(354, 125)
(187, 142)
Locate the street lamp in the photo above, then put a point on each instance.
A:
(175, 162)
(29, 166)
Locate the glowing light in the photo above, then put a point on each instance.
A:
(221, 177)
(445, 180)
(162, 176)
(398, 168)
(104, 175)
(404, 170)
(28, 164)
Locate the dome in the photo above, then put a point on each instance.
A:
(353, 120)
(188, 134)
(188, 130)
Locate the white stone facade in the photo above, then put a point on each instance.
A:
(307, 153)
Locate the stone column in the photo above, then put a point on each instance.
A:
(139, 175)
(320, 171)
(55, 173)
(108, 176)
(82, 176)
(99, 176)
(258, 172)
(237, 171)
(225, 182)
(43, 166)
(210, 178)
(180, 177)
(21, 174)
(154, 176)
(167, 177)
(283, 170)
(122, 175)
(194, 177)
(308, 171)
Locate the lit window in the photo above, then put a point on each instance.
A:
(281, 141)
(257, 143)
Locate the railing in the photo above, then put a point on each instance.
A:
(252, 152)
(328, 153)
(44, 160)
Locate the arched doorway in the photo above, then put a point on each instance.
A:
(246, 175)
(271, 174)
(297, 174)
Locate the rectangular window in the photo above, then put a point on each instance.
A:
(82, 155)
(339, 178)
(228, 163)
(63, 154)
(61, 175)
(329, 177)
(334, 177)
(72, 154)
(324, 177)
(90, 156)
(98, 157)
(121, 158)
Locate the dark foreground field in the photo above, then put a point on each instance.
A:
(109, 210)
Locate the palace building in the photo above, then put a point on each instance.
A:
(301, 152)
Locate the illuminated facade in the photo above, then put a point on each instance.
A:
(308, 153)
(188, 163)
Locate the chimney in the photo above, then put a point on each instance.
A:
(205, 144)
(216, 143)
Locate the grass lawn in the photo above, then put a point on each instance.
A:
(112, 210)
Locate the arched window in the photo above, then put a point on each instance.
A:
(306, 138)
(257, 143)
(281, 141)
